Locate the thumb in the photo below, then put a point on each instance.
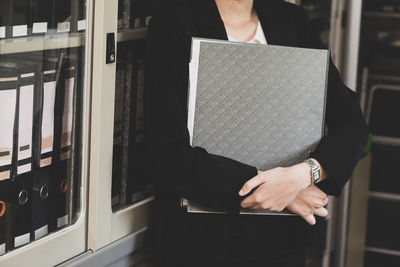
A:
(250, 185)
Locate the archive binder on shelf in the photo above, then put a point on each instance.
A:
(4, 216)
(62, 16)
(25, 117)
(9, 85)
(138, 186)
(81, 17)
(47, 114)
(42, 18)
(41, 202)
(67, 112)
(126, 128)
(5, 18)
(62, 176)
(21, 18)
(262, 105)
(118, 128)
(142, 12)
(19, 204)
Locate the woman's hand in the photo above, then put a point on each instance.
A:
(275, 188)
(308, 202)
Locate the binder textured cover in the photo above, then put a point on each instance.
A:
(262, 105)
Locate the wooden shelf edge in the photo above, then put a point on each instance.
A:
(39, 43)
(382, 15)
(385, 196)
(383, 251)
(132, 34)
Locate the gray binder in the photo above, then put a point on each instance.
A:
(262, 105)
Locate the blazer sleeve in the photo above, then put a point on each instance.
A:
(340, 150)
(178, 168)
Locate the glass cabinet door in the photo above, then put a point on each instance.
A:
(121, 192)
(42, 124)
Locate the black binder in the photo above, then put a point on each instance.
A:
(82, 22)
(128, 107)
(42, 12)
(9, 85)
(41, 202)
(48, 97)
(5, 18)
(28, 76)
(117, 169)
(3, 217)
(19, 203)
(138, 186)
(62, 177)
(21, 18)
(62, 15)
(142, 12)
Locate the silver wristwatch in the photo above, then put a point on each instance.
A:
(315, 173)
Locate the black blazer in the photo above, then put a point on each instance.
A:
(191, 172)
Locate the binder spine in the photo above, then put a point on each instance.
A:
(21, 18)
(25, 120)
(5, 18)
(8, 108)
(42, 12)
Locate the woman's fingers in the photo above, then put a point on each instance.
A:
(322, 212)
(310, 219)
(250, 185)
(252, 200)
(326, 200)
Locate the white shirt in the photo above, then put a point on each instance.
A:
(259, 37)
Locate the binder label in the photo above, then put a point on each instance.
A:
(137, 23)
(39, 27)
(20, 30)
(62, 221)
(82, 25)
(2, 249)
(2, 32)
(41, 232)
(63, 26)
(148, 18)
(22, 240)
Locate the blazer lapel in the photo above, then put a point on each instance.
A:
(207, 20)
(277, 28)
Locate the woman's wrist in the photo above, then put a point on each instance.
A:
(301, 175)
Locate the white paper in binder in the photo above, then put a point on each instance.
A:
(25, 127)
(262, 105)
(67, 119)
(8, 97)
(49, 95)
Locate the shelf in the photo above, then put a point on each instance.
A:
(39, 43)
(132, 34)
(385, 196)
(385, 140)
(382, 15)
(383, 251)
